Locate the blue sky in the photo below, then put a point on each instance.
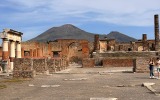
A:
(33, 17)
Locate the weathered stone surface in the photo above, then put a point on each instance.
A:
(117, 62)
(23, 74)
(51, 65)
(39, 65)
(88, 62)
(141, 65)
(22, 64)
(24, 67)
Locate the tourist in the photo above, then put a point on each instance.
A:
(151, 67)
(158, 67)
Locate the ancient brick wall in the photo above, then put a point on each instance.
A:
(88, 62)
(55, 46)
(28, 67)
(117, 62)
(141, 64)
(128, 54)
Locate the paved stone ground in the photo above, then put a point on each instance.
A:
(77, 83)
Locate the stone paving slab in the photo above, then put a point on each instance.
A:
(81, 85)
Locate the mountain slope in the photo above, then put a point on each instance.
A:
(120, 37)
(64, 32)
(71, 32)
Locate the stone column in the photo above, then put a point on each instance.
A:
(156, 31)
(5, 49)
(18, 50)
(12, 54)
(144, 41)
(96, 42)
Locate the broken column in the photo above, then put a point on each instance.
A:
(144, 41)
(96, 43)
(156, 30)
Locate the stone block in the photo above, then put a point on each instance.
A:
(117, 62)
(39, 65)
(88, 62)
(23, 74)
(51, 65)
(141, 65)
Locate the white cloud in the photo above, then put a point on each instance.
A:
(121, 12)
(43, 13)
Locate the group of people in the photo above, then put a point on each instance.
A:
(153, 63)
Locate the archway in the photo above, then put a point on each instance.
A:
(74, 52)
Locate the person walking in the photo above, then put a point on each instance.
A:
(151, 67)
(158, 67)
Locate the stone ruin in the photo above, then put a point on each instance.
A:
(51, 56)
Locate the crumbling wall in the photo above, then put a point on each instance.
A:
(39, 65)
(127, 54)
(141, 64)
(118, 62)
(23, 68)
(88, 62)
(28, 67)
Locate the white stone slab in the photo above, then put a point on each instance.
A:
(102, 98)
(76, 79)
(50, 86)
(45, 85)
(31, 85)
(55, 85)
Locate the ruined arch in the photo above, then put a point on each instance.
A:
(74, 52)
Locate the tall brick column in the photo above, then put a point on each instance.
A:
(96, 42)
(22, 52)
(144, 41)
(5, 49)
(85, 50)
(156, 31)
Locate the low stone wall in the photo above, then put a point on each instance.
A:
(88, 62)
(141, 65)
(28, 67)
(39, 65)
(23, 68)
(117, 62)
(126, 54)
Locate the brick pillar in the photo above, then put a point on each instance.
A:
(49, 49)
(31, 52)
(144, 41)
(5, 49)
(156, 31)
(39, 52)
(22, 52)
(18, 50)
(85, 50)
(35, 53)
(96, 42)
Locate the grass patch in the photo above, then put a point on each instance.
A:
(14, 80)
(2, 86)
